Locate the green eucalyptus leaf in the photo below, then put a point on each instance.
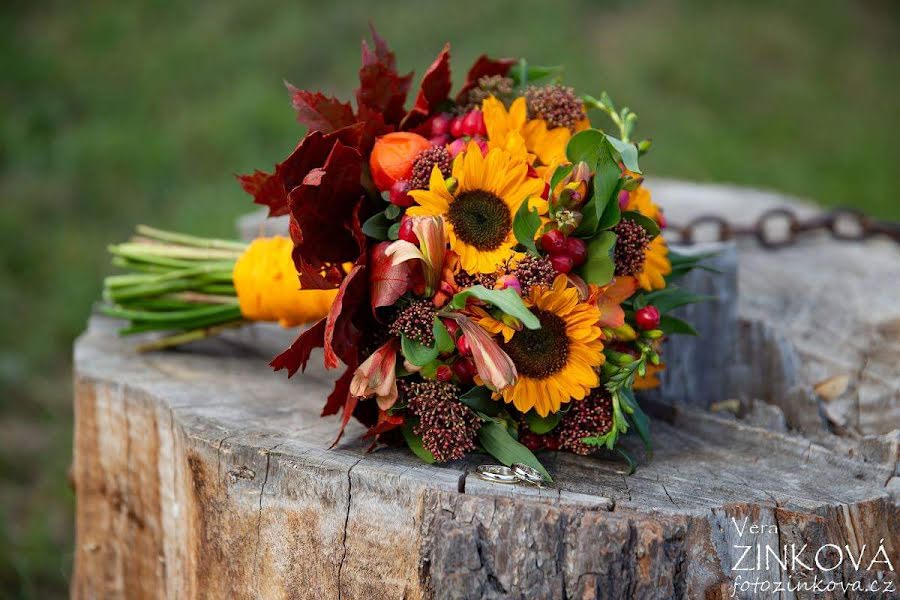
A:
(416, 352)
(648, 224)
(627, 151)
(393, 232)
(523, 74)
(600, 266)
(541, 425)
(377, 226)
(525, 225)
(506, 300)
(480, 399)
(443, 340)
(392, 211)
(672, 325)
(415, 444)
(497, 442)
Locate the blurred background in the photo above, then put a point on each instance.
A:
(123, 112)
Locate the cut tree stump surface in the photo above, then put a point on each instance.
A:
(200, 473)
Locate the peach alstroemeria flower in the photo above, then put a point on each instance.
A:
(432, 250)
(495, 367)
(377, 376)
(609, 298)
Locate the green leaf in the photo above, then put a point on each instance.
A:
(480, 400)
(394, 232)
(648, 224)
(627, 151)
(525, 225)
(498, 443)
(559, 174)
(632, 465)
(506, 300)
(671, 298)
(592, 147)
(586, 146)
(522, 74)
(638, 417)
(377, 226)
(541, 425)
(416, 352)
(415, 444)
(600, 266)
(443, 340)
(671, 324)
(392, 211)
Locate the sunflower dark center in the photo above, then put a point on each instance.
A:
(480, 219)
(539, 353)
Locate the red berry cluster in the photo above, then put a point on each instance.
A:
(458, 130)
(566, 253)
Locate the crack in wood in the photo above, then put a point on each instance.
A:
(346, 523)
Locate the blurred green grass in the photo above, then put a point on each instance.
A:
(124, 112)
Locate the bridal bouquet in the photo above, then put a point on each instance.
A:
(486, 266)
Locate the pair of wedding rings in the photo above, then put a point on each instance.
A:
(516, 473)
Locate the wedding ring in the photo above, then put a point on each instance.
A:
(527, 474)
(496, 473)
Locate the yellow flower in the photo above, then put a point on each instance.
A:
(478, 213)
(529, 140)
(556, 363)
(492, 325)
(656, 259)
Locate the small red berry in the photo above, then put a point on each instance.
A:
(647, 318)
(456, 146)
(562, 262)
(456, 127)
(444, 373)
(551, 442)
(440, 124)
(464, 370)
(406, 231)
(462, 344)
(482, 144)
(399, 194)
(553, 242)
(530, 440)
(577, 249)
(439, 140)
(451, 326)
(473, 123)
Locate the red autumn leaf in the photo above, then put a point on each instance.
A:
(341, 336)
(483, 67)
(387, 281)
(320, 112)
(295, 358)
(433, 91)
(381, 88)
(349, 406)
(323, 206)
(386, 422)
(272, 190)
(338, 395)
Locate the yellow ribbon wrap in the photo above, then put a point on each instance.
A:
(268, 289)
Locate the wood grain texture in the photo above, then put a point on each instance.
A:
(201, 474)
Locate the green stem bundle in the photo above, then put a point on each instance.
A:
(174, 282)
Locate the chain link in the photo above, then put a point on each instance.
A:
(781, 227)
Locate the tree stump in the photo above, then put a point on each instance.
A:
(200, 473)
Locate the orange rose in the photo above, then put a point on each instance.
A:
(392, 157)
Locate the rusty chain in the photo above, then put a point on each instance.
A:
(781, 227)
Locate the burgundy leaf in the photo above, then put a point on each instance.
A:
(387, 281)
(483, 67)
(296, 357)
(338, 396)
(433, 91)
(386, 422)
(341, 336)
(349, 406)
(320, 112)
(381, 88)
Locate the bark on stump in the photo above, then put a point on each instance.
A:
(199, 473)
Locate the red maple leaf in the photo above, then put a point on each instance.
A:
(341, 336)
(434, 89)
(295, 358)
(387, 282)
(483, 67)
(381, 88)
(320, 112)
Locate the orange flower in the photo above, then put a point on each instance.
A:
(377, 376)
(609, 297)
(393, 156)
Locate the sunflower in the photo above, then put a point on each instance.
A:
(556, 363)
(531, 140)
(478, 214)
(656, 259)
